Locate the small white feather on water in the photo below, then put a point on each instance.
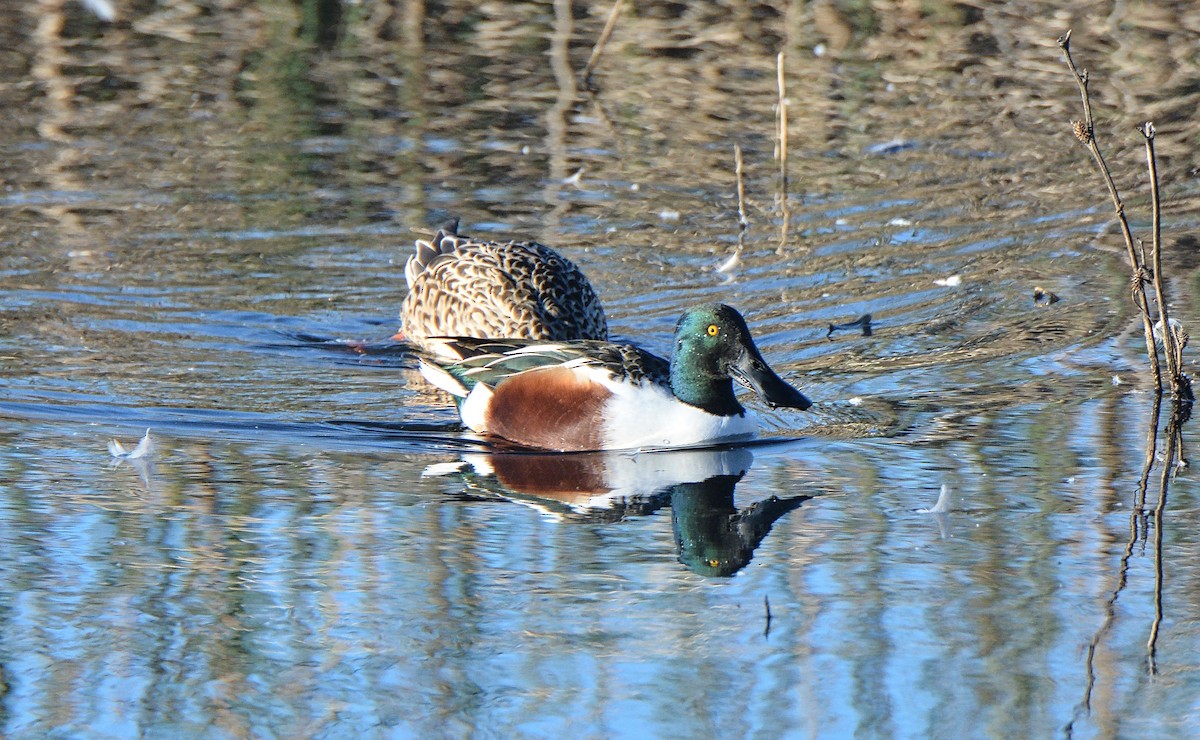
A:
(144, 448)
(1176, 329)
(943, 503)
(734, 260)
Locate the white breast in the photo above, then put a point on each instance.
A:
(647, 415)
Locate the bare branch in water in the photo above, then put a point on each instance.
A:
(1180, 385)
(1085, 131)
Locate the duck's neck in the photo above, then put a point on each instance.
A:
(701, 386)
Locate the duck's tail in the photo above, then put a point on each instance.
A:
(441, 378)
(443, 242)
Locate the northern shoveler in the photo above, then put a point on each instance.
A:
(464, 287)
(590, 395)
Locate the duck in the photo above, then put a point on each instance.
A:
(464, 287)
(590, 395)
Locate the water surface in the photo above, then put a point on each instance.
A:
(205, 221)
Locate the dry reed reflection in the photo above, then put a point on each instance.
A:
(601, 42)
(1169, 460)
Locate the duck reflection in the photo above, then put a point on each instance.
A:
(712, 536)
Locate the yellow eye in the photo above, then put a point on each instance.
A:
(713, 330)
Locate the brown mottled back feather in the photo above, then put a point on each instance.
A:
(462, 287)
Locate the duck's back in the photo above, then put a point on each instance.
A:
(461, 287)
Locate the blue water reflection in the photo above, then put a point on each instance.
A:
(328, 583)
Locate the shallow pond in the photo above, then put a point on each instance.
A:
(205, 217)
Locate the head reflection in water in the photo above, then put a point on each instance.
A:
(712, 536)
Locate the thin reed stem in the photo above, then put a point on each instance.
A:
(1172, 343)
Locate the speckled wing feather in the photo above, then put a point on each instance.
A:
(463, 287)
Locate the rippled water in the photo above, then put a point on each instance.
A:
(205, 220)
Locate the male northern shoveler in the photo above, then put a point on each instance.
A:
(464, 287)
(589, 395)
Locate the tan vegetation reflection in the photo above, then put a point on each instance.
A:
(58, 114)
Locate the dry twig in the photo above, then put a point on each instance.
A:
(1085, 131)
(1173, 337)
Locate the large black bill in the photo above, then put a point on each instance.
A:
(754, 372)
